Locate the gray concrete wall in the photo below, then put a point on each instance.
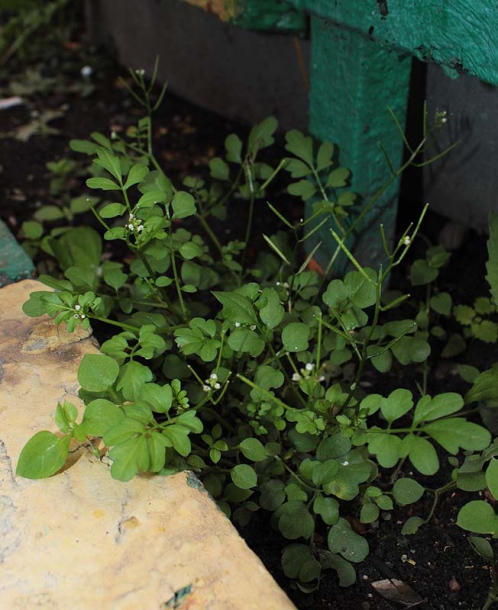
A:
(243, 75)
(464, 184)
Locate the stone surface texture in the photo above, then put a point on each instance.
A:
(83, 540)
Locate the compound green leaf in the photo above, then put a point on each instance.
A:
(422, 273)
(369, 513)
(272, 494)
(345, 570)
(361, 291)
(97, 372)
(334, 446)
(106, 184)
(338, 177)
(132, 377)
(479, 517)
(178, 435)
(247, 341)
(324, 156)
(219, 169)
(136, 174)
(295, 337)
(482, 547)
(233, 146)
(129, 457)
(43, 455)
(295, 521)
(422, 454)
(125, 429)
(442, 405)
(412, 525)
(244, 476)
(272, 312)
(344, 540)
(253, 449)
(158, 397)
(183, 205)
(407, 491)
(388, 449)
(492, 477)
(397, 404)
(304, 189)
(236, 307)
(327, 508)
(485, 387)
(441, 303)
(99, 417)
(300, 145)
(458, 432)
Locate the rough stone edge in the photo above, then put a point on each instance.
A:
(276, 599)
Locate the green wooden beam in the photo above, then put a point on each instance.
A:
(353, 81)
(460, 35)
(15, 264)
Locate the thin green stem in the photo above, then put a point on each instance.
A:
(176, 278)
(297, 477)
(115, 323)
(209, 231)
(493, 592)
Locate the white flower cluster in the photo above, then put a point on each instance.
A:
(238, 325)
(77, 315)
(134, 224)
(211, 383)
(306, 372)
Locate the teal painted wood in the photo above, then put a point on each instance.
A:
(15, 264)
(460, 35)
(353, 81)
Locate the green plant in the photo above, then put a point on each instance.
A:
(246, 371)
(25, 19)
(483, 548)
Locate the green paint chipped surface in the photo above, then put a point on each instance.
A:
(353, 81)
(15, 264)
(461, 35)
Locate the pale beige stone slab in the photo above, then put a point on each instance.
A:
(83, 540)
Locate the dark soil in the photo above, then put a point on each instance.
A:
(438, 563)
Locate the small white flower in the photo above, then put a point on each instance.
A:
(407, 241)
(76, 315)
(77, 307)
(321, 378)
(217, 386)
(237, 324)
(114, 135)
(206, 388)
(140, 228)
(131, 217)
(309, 366)
(213, 376)
(83, 316)
(296, 377)
(277, 283)
(345, 463)
(86, 71)
(253, 327)
(131, 227)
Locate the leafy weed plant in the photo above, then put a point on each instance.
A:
(250, 374)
